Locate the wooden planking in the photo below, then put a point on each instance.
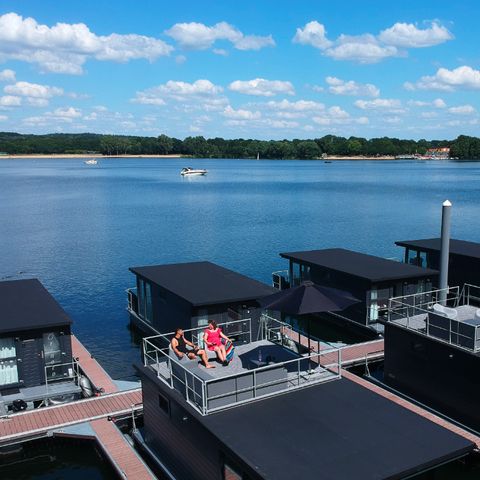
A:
(36, 422)
(412, 407)
(92, 369)
(119, 451)
(350, 354)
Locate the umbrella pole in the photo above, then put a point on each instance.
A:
(308, 331)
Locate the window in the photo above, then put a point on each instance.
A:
(164, 404)
(144, 294)
(8, 362)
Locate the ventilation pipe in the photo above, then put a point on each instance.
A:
(445, 250)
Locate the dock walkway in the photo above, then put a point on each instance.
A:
(36, 423)
(93, 370)
(95, 411)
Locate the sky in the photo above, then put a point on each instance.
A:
(252, 69)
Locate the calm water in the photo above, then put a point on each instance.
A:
(79, 228)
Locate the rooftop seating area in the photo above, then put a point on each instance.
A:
(450, 315)
(273, 361)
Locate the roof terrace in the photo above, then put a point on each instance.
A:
(273, 361)
(455, 320)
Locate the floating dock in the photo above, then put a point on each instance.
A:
(89, 418)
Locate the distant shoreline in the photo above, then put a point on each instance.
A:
(83, 156)
(78, 155)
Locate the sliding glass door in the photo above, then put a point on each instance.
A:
(8, 362)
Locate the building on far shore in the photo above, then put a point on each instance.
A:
(440, 153)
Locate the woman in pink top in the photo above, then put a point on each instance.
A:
(213, 339)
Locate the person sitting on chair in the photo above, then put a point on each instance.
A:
(213, 339)
(180, 346)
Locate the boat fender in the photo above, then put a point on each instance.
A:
(86, 386)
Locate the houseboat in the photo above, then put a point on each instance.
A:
(277, 412)
(187, 295)
(36, 365)
(369, 278)
(432, 350)
(464, 258)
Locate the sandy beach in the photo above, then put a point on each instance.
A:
(63, 156)
(82, 156)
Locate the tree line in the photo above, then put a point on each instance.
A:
(463, 147)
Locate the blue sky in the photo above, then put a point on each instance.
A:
(263, 69)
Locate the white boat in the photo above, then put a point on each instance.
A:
(92, 161)
(192, 171)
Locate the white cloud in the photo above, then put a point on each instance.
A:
(379, 104)
(37, 102)
(361, 49)
(262, 87)
(220, 51)
(3, 118)
(240, 114)
(10, 101)
(280, 123)
(409, 36)
(314, 34)
(437, 103)
(91, 117)
(463, 77)
(337, 116)
(64, 47)
(65, 112)
(393, 120)
(198, 36)
(337, 112)
(462, 110)
(34, 90)
(176, 90)
(199, 94)
(298, 106)
(429, 114)
(343, 87)
(369, 48)
(7, 75)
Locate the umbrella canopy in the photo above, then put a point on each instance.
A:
(309, 298)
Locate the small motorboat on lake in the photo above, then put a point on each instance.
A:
(192, 171)
(91, 161)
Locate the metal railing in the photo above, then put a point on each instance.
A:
(418, 312)
(61, 371)
(209, 394)
(132, 299)
(278, 277)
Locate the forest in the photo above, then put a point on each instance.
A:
(463, 147)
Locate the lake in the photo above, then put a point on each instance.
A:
(79, 228)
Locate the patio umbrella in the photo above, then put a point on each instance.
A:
(309, 297)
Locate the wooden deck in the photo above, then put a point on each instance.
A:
(119, 451)
(351, 355)
(95, 411)
(39, 422)
(412, 407)
(94, 371)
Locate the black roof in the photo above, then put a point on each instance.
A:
(27, 305)
(204, 283)
(457, 247)
(368, 267)
(338, 430)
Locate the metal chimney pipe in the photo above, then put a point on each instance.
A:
(445, 249)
